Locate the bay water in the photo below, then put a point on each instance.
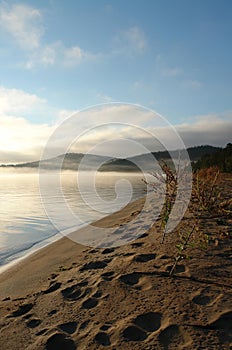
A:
(30, 219)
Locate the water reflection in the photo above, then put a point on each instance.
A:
(23, 221)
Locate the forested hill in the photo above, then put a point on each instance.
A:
(71, 161)
(222, 159)
(195, 153)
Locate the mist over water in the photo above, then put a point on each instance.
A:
(23, 220)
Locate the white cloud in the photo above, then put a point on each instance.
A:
(74, 56)
(57, 53)
(22, 140)
(23, 23)
(130, 41)
(15, 101)
(45, 56)
(209, 129)
(74, 53)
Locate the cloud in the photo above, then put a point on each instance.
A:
(23, 23)
(193, 83)
(74, 56)
(16, 102)
(103, 98)
(45, 56)
(22, 140)
(209, 129)
(130, 41)
(58, 54)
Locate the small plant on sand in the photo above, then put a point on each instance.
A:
(166, 181)
(206, 191)
(205, 200)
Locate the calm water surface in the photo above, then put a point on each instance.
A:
(24, 223)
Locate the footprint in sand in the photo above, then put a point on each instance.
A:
(103, 339)
(149, 321)
(108, 250)
(90, 303)
(222, 326)
(68, 327)
(144, 257)
(134, 333)
(92, 251)
(75, 292)
(223, 322)
(22, 310)
(60, 341)
(142, 325)
(33, 323)
(171, 336)
(108, 276)
(52, 288)
(93, 265)
(136, 280)
(130, 279)
(206, 297)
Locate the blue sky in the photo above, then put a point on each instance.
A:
(173, 56)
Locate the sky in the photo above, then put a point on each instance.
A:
(170, 56)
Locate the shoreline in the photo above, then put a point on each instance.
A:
(54, 238)
(70, 296)
(16, 267)
(11, 256)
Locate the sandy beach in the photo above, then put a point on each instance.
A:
(69, 296)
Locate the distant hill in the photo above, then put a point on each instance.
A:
(71, 161)
(222, 159)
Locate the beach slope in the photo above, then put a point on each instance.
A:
(69, 296)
